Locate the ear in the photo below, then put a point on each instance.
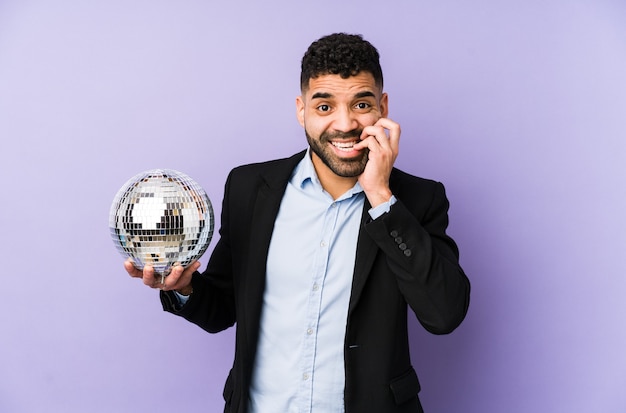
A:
(384, 105)
(300, 110)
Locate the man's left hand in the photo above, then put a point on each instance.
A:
(383, 151)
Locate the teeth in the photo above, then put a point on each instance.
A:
(343, 146)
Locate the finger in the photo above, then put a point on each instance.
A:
(385, 132)
(368, 142)
(193, 267)
(375, 139)
(131, 270)
(394, 131)
(372, 138)
(169, 282)
(148, 276)
(180, 278)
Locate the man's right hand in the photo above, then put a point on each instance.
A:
(179, 279)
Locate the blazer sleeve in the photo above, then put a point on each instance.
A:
(423, 258)
(211, 306)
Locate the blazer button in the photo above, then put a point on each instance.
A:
(394, 233)
(402, 246)
(398, 240)
(407, 253)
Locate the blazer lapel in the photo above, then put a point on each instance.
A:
(272, 184)
(366, 251)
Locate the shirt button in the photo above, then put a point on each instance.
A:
(322, 244)
(305, 376)
(309, 331)
(316, 287)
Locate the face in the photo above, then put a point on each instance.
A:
(333, 112)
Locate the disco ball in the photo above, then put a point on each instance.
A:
(161, 218)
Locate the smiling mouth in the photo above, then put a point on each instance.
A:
(344, 146)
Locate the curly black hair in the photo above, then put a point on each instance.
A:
(340, 54)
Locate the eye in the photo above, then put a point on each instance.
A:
(323, 108)
(363, 105)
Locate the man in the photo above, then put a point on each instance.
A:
(320, 254)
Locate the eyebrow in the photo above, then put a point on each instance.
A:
(325, 95)
(321, 95)
(365, 94)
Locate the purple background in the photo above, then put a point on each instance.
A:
(519, 107)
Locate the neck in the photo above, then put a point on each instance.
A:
(332, 183)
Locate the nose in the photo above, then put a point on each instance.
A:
(345, 120)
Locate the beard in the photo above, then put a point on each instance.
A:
(346, 168)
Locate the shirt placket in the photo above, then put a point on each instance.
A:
(314, 306)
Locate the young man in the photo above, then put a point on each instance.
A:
(320, 254)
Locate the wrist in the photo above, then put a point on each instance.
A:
(377, 198)
(186, 291)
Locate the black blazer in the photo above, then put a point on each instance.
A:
(403, 258)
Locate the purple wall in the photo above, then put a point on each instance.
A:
(519, 107)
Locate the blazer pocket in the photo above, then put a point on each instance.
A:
(405, 387)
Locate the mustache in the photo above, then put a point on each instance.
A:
(328, 136)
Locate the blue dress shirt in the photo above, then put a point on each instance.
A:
(299, 366)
